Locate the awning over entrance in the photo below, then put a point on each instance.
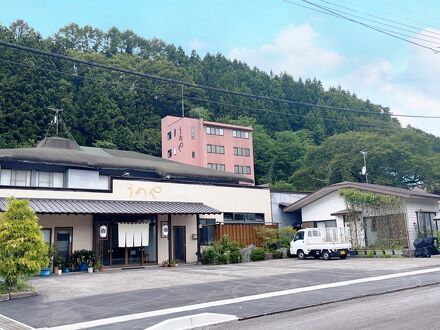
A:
(82, 206)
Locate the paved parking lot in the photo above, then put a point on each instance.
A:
(81, 297)
(77, 285)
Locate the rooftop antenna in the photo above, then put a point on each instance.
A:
(56, 119)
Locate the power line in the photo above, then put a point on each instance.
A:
(383, 31)
(417, 28)
(179, 82)
(231, 105)
(326, 107)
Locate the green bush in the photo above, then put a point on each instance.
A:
(224, 251)
(258, 254)
(277, 254)
(209, 256)
(23, 251)
(235, 257)
(273, 239)
(370, 254)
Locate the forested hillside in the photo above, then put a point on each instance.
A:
(296, 146)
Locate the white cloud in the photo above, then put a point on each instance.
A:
(409, 89)
(197, 45)
(294, 51)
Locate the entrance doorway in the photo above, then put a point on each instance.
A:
(114, 256)
(63, 241)
(179, 242)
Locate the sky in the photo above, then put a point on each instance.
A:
(282, 36)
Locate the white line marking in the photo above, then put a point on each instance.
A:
(16, 322)
(193, 321)
(173, 310)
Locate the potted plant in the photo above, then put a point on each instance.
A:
(172, 263)
(165, 263)
(90, 258)
(67, 265)
(52, 251)
(58, 263)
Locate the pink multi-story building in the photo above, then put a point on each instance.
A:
(208, 144)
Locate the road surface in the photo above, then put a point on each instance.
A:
(408, 309)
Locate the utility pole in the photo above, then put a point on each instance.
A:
(56, 119)
(364, 169)
(183, 107)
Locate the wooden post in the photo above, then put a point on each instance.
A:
(170, 242)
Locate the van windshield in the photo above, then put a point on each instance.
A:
(299, 236)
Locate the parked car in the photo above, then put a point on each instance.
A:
(321, 242)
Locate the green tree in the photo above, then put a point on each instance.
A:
(23, 251)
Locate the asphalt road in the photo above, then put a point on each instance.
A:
(124, 295)
(408, 309)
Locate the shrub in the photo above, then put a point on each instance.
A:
(222, 252)
(277, 254)
(370, 254)
(209, 256)
(258, 254)
(269, 237)
(235, 257)
(23, 251)
(286, 235)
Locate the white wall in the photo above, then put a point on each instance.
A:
(413, 206)
(223, 198)
(190, 222)
(82, 236)
(322, 208)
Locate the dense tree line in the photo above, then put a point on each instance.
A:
(296, 146)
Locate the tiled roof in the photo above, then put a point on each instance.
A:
(399, 192)
(81, 206)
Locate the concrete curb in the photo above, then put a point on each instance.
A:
(23, 294)
(4, 297)
(193, 321)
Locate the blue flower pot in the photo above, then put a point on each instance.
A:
(66, 270)
(83, 267)
(45, 272)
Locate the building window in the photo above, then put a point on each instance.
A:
(193, 133)
(239, 169)
(50, 179)
(214, 131)
(240, 134)
(169, 153)
(169, 136)
(242, 151)
(175, 132)
(15, 177)
(193, 154)
(243, 217)
(426, 224)
(47, 233)
(213, 149)
(218, 167)
(325, 224)
(207, 232)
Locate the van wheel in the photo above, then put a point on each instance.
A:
(326, 255)
(301, 255)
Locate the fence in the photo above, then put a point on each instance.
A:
(244, 234)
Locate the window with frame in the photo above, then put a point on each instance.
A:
(207, 232)
(239, 169)
(50, 179)
(193, 133)
(218, 167)
(169, 153)
(240, 134)
(9, 177)
(243, 217)
(242, 151)
(214, 130)
(426, 224)
(193, 154)
(169, 136)
(214, 149)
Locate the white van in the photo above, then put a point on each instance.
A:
(325, 242)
